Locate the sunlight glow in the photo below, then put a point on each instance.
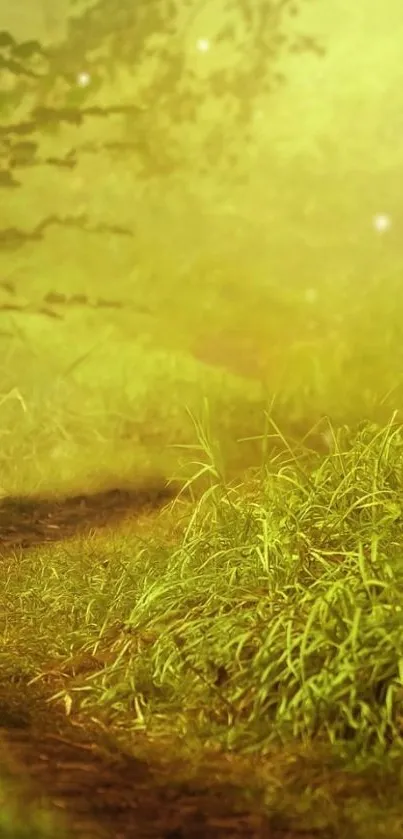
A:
(382, 222)
(83, 79)
(203, 44)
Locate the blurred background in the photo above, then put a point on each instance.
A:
(261, 271)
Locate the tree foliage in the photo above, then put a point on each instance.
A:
(134, 63)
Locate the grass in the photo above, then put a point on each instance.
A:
(106, 407)
(267, 626)
(259, 622)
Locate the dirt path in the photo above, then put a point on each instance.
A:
(25, 522)
(102, 793)
(99, 790)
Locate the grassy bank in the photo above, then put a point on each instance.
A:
(260, 619)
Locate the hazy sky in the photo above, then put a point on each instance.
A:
(359, 82)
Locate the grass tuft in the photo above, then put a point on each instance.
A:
(275, 615)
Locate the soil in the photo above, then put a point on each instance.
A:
(78, 770)
(101, 792)
(29, 521)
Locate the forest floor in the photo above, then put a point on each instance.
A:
(74, 765)
(70, 775)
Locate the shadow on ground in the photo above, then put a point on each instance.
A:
(102, 792)
(29, 521)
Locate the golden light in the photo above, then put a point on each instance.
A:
(203, 44)
(382, 222)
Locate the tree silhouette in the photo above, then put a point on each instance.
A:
(146, 43)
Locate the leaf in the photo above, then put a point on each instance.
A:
(68, 704)
(24, 152)
(6, 40)
(7, 181)
(27, 49)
